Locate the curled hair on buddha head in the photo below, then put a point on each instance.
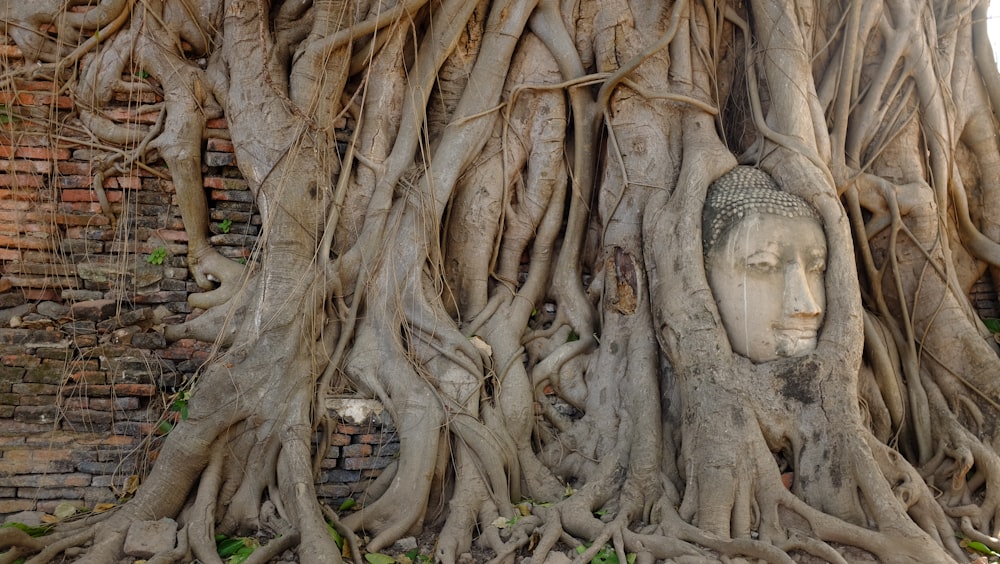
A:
(740, 193)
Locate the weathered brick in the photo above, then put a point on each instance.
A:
(38, 400)
(335, 491)
(94, 495)
(75, 403)
(41, 242)
(8, 441)
(339, 475)
(85, 341)
(161, 297)
(41, 167)
(232, 195)
(11, 374)
(111, 440)
(221, 145)
(125, 182)
(356, 450)
(14, 336)
(134, 428)
(367, 462)
(22, 180)
(44, 282)
(94, 310)
(10, 427)
(16, 505)
(74, 168)
(339, 439)
(89, 377)
(213, 158)
(36, 389)
(42, 153)
(104, 391)
(74, 479)
(51, 493)
(223, 184)
(61, 355)
(346, 429)
(117, 455)
(49, 372)
(111, 481)
(36, 414)
(151, 340)
(38, 461)
(88, 417)
(97, 467)
(386, 449)
(373, 438)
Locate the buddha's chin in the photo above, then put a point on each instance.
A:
(795, 343)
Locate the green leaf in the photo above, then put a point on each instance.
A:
(335, 536)
(32, 531)
(180, 406)
(242, 554)
(992, 323)
(347, 504)
(157, 256)
(231, 546)
(225, 225)
(165, 427)
(142, 74)
(417, 558)
(979, 547)
(573, 336)
(379, 558)
(606, 555)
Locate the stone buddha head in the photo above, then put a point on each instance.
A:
(765, 255)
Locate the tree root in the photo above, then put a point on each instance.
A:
(209, 267)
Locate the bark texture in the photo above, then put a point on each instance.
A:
(507, 252)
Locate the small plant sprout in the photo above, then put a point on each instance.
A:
(157, 256)
(225, 225)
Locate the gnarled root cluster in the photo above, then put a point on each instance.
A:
(508, 254)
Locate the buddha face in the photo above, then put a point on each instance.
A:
(767, 276)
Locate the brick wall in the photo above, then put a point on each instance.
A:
(86, 376)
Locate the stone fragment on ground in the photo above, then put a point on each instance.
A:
(146, 538)
(405, 544)
(29, 518)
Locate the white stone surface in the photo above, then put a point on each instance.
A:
(146, 538)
